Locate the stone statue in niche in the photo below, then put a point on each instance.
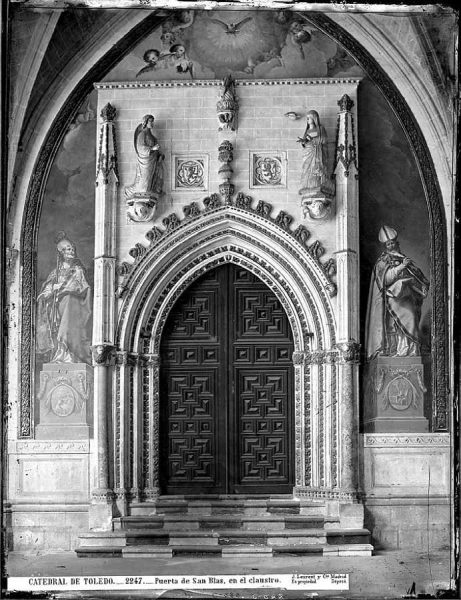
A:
(143, 194)
(394, 371)
(397, 291)
(64, 308)
(317, 188)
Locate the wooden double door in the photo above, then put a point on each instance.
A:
(226, 404)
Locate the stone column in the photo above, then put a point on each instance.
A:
(102, 497)
(151, 490)
(347, 261)
(300, 416)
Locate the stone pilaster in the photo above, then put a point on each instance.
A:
(347, 265)
(348, 416)
(101, 511)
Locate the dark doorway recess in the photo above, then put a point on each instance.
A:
(227, 389)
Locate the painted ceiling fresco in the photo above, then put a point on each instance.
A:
(247, 44)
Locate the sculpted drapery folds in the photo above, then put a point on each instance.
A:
(149, 169)
(64, 308)
(314, 174)
(397, 291)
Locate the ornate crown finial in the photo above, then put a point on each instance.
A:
(108, 112)
(345, 103)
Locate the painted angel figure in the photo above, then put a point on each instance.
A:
(149, 169)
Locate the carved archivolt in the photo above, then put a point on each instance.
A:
(171, 263)
(162, 272)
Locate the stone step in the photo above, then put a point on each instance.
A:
(99, 552)
(222, 536)
(347, 536)
(229, 504)
(172, 522)
(236, 550)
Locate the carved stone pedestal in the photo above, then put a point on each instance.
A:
(66, 402)
(316, 205)
(394, 395)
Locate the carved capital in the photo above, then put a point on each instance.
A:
(298, 357)
(127, 359)
(320, 357)
(151, 360)
(102, 354)
(349, 352)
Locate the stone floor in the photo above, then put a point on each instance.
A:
(386, 575)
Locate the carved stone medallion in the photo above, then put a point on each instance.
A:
(267, 169)
(190, 172)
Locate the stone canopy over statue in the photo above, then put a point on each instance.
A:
(394, 372)
(397, 291)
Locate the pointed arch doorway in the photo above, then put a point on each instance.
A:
(226, 392)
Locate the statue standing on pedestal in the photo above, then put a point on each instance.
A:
(149, 169)
(397, 291)
(317, 188)
(314, 174)
(64, 308)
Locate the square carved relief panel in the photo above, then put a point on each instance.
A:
(268, 169)
(190, 172)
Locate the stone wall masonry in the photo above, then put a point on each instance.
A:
(186, 122)
(407, 490)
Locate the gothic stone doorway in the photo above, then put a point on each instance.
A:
(227, 389)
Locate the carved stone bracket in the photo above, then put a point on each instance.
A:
(103, 355)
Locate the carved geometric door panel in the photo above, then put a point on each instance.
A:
(226, 389)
